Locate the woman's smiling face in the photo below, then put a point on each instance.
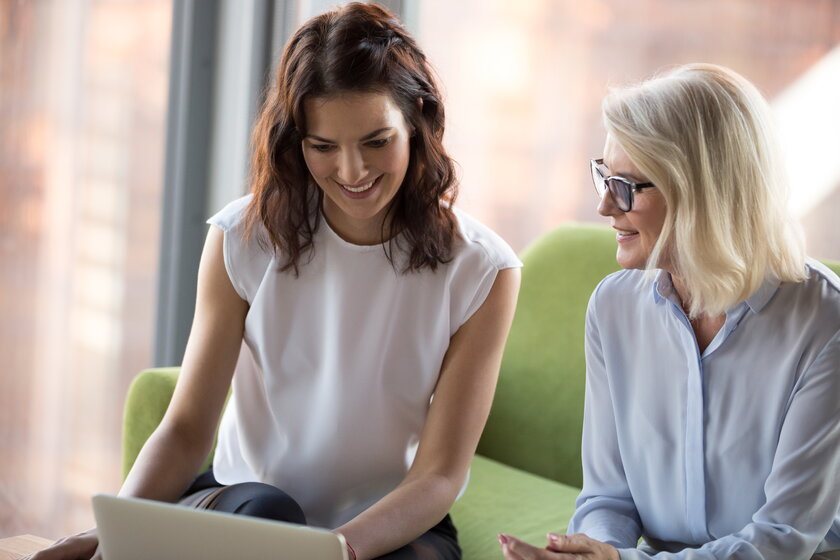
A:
(357, 149)
(638, 229)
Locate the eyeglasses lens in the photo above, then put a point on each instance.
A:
(598, 179)
(621, 194)
(619, 190)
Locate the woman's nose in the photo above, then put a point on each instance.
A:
(606, 204)
(352, 168)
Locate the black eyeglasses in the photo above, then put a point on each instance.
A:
(621, 190)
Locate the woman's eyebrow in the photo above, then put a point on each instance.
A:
(373, 134)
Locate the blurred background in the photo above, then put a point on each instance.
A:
(124, 124)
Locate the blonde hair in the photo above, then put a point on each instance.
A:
(704, 136)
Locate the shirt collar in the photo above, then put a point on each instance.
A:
(663, 288)
(763, 294)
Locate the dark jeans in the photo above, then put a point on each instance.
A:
(263, 500)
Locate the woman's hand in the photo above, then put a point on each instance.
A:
(560, 547)
(82, 546)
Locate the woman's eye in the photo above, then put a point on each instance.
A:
(379, 143)
(322, 147)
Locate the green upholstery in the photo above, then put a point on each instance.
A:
(504, 499)
(527, 473)
(833, 265)
(537, 414)
(148, 397)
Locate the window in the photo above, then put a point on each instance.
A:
(525, 81)
(83, 92)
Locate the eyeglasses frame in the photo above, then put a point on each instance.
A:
(632, 188)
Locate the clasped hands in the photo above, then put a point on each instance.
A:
(560, 547)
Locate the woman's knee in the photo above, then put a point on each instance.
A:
(260, 500)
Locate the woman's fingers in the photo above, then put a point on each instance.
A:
(515, 549)
(512, 548)
(83, 545)
(577, 544)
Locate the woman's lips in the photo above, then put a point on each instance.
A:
(360, 190)
(623, 235)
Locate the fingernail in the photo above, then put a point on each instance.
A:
(502, 540)
(553, 537)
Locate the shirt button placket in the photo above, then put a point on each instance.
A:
(695, 478)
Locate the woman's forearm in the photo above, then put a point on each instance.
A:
(166, 465)
(401, 516)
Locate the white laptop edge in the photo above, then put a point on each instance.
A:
(138, 529)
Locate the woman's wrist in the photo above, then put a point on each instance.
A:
(351, 552)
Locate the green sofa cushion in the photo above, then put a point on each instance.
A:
(503, 499)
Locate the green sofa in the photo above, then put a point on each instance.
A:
(526, 474)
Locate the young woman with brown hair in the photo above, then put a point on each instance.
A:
(359, 317)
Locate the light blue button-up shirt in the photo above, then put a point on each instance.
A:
(729, 453)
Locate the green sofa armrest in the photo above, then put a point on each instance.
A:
(145, 404)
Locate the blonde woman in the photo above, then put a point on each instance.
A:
(712, 419)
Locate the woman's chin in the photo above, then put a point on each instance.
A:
(630, 260)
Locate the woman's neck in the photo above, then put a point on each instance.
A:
(359, 231)
(705, 326)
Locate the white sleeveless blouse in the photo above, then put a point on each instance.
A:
(338, 365)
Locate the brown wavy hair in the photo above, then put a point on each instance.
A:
(355, 48)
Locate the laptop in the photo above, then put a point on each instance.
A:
(135, 529)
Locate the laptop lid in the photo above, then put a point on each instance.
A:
(135, 529)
